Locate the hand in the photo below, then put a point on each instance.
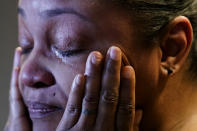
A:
(18, 117)
(102, 100)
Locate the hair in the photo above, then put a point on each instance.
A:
(155, 15)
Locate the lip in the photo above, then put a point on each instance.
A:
(40, 110)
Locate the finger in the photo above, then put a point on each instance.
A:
(138, 119)
(93, 83)
(110, 89)
(73, 108)
(126, 104)
(18, 118)
(125, 61)
(17, 108)
(17, 57)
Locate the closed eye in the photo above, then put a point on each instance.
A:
(26, 50)
(67, 53)
(70, 53)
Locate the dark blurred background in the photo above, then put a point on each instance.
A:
(8, 42)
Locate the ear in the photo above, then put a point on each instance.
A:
(176, 44)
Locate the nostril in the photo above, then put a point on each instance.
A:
(40, 84)
(37, 77)
(43, 80)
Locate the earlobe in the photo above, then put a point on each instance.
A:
(176, 44)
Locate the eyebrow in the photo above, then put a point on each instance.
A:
(56, 12)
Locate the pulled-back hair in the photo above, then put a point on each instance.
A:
(154, 16)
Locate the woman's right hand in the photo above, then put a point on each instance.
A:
(18, 116)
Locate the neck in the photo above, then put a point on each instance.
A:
(174, 109)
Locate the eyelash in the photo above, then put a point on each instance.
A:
(70, 53)
(26, 51)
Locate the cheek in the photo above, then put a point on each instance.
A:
(146, 84)
(65, 74)
(147, 78)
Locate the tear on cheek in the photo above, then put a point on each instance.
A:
(61, 58)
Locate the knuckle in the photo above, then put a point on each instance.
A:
(110, 97)
(73, 109)
(126, 109)
(91, 99)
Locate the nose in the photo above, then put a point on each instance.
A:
(36, 76)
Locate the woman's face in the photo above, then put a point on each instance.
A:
(57, 36)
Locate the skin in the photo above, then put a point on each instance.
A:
(45, 76)
(73, 118)
(49, 79)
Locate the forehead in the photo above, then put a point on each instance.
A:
(47, 4)
(107, 17)
(34, 8)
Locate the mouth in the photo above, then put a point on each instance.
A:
(39, 110)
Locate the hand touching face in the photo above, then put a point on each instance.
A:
(100, 99)
(57, 37)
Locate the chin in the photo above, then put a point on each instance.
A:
(47, 122)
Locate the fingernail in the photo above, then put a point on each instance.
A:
(16, 69)
(115, 53)
(18, 49)
(127, 71)
(96, 58)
